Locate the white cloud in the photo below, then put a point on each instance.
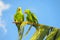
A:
(3, 25)
(3, 7)
(0, 13)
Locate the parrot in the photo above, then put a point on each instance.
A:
(19, 18)
(30, 18)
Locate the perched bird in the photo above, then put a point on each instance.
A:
(19, 18)
(30, 18)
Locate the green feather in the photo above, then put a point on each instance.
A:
(19, 17)
(31, 18)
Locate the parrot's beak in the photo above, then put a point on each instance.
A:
(25, 12)
(19, 9)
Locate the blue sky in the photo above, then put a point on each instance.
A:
(47, 11)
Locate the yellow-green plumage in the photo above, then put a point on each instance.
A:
(19, 17)
(30, 18)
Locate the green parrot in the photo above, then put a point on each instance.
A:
(30, 18)
(19, 18)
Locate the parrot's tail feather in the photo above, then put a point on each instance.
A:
(28, 30)
(21, 31)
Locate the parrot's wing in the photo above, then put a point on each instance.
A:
(29, 18)
(34, 17)
(23, 17)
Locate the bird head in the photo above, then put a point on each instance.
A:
(19, 9)
(27, 11)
